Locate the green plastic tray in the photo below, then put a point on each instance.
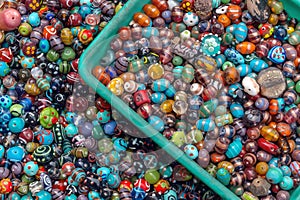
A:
(97, 50)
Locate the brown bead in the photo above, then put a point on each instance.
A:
(151, 10)
(283, 195)
(250, 173)
(260, 187)
(124, 33)
(284, 145)
(221, 145)
(101, 75)
(292, 145)
(237, 178)
(249, 159)
(251, 146)
(263, 156)
(253, 133)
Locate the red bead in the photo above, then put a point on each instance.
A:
(141, 97)
(6, 55)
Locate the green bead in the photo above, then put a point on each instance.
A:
(294, 38)
(225, 1)
(152, 176)
(220, 110)
(97, 131)
(48, 117)
(227, 64)
(208, 108)
(227, 38)
(177, 72)
(188, 74)
(27, 179)
(52, 55)
(290, 84)
(178, 138)
(177, 60)
(16, 110)
(166, 171)
(25, 29)
(68, 54)
(297, 87)
(238, 190)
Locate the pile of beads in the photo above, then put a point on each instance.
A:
(57, 140)
(221, 81)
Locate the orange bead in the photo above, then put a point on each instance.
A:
(245, 47)
(297, 62)
(224, 19)
(101, 75)
(273, 125)
(261, 168)
(216, 158)
(292, 145)
(234, 12)
(273, 107)
(151, 10)
(142, 19)
(284, 129)
(162, 5)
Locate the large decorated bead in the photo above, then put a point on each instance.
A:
(48, 117)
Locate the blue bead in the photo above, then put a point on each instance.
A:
(158, 97)
(113, 180)
(244, 69)
(94, 195)
(220, 59)
(16, 125)
(206, 124)
(287, 183)
(120, 144)
(138, 193)
(109, 127)
(277, 54)
(233, 88)
(15, 154)
(44, 137)
(235, 148)
(258, 64)
(237, 110)
(240, 32)
(286, 170)
(234, 56)
(223, 176)
(44, 45)
(4, 69)
(26, 103)
(70, 197)
(31, 168)
(274, 175)
(2, 151)
(34, 19)
(150, 31)
(103, 172)
(170, 92)
(84, 10)
(5, 101)
(71, 130)
(156, 122)
(273, 162)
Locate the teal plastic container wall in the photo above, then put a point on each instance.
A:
(97, 50)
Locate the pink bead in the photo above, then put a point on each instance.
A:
(10, 19)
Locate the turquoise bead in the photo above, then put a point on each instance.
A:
(158, 97)
(5, 101)
(103, 116)
(2, 151)
(191, 151)
(156, 122)
(235, 148)
(71, 130)
(113, 180)
(223, 176)
(206, 124)
(34, 19)
(240, 32)
(237, 110)
(4, 69)
(103, 172)
(170, 92)
(287, 183)
(234, 56)
(44, 45)
(177, 72)
(170, 194)
(274, 175)
(71, 197)
(150, 31)
(16, 125)
(208, 108)
(15, 154)
(273, 162)
(286, 170)
(258, 64)
(220, 59)
(31, 168)
(244, 69)
(160, 85)
(94, 195)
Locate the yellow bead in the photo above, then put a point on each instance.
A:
(273, 19)
(290, 30)
(166, 106)
(116, 86)
(156, 71)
